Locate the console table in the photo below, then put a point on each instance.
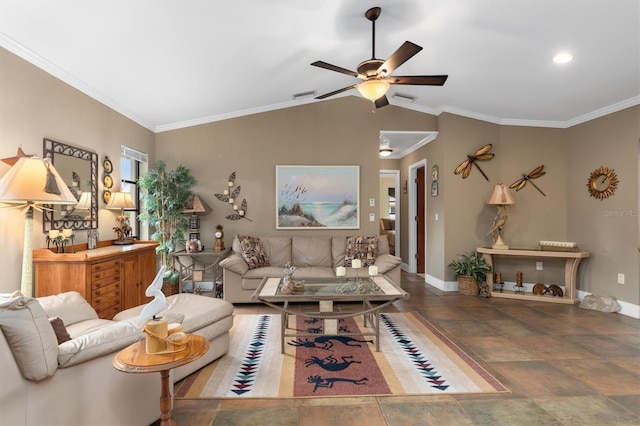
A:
(193, 265)
(572, 260)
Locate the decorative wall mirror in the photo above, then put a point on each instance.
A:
(602, 183)
(79, 169)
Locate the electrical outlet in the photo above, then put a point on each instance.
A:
(436, 216)
(538, 266)
(372, 217)
(372, 202)
(620, 278)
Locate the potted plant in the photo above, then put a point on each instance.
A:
(164, 194)
(470, 269)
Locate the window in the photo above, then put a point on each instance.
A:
(130, 162)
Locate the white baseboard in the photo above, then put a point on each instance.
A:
(627, 309)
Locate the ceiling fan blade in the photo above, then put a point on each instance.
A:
(381, 101)
(399, 57)
(335, 92)
(335, 68)
(423, 80)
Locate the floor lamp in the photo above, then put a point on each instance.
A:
(30, 183)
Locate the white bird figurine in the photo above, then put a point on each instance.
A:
(155, 289)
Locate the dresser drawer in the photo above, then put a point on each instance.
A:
(106, 300)
(110, 312)
(104, 290)
(108, 264)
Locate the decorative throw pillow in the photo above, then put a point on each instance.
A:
(59, 329)
(363, 248)
(253, 252)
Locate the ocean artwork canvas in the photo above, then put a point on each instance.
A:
(317, 197)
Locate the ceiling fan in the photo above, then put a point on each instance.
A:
(376, 73)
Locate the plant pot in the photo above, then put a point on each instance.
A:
(169, 288)
(467, 285)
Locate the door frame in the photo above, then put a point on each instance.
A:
(396, 183)
(413, 211)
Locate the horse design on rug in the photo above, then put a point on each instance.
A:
(330, 363)
(321, 382)
(326, 342)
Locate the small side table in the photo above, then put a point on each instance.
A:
(134, 359)
(193, 265)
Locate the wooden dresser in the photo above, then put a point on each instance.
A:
(111, 278)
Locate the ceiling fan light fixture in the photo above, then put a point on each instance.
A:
(385, 152)
(373, 89)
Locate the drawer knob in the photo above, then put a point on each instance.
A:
(97, 275)
(97, 292)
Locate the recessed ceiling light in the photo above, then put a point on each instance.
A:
(562, 58)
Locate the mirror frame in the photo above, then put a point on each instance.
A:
(51, 149)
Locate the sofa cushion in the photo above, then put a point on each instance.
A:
(311, 251)
(194, 311)
(61, 331)
(235, 263)
(363, 248)
(253, 252)
(278, 249)
(103, 341)
(70, 306)
(30, 336)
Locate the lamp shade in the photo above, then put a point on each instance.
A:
(500, 196)
(385, 152)
(85, 201)
(373, 89)
(120, 200)
(34, 181)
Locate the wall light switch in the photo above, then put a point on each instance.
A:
(620, 278)
(436, 216)
(372, 217)
(372, 202)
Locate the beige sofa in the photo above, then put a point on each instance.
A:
(75, 383)
(312, 256)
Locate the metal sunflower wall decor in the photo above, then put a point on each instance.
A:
(602, 183)
(230, 196)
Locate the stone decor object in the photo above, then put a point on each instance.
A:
(599, 302)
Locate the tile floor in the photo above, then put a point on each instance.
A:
(564, 366)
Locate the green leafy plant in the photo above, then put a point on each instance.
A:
(164, 194)
(472, 265)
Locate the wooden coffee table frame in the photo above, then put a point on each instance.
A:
(134, 359)
(371, 306)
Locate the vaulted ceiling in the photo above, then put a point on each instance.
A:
(169, 64)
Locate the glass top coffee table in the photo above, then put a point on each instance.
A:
(373, 292)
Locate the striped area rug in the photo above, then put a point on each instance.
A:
(415, 358)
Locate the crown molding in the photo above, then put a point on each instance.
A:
(33, 58)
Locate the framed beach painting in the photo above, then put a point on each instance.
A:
(317, 197)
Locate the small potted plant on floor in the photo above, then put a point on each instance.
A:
(470, 269)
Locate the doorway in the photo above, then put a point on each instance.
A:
(389, 212)
(417, 217)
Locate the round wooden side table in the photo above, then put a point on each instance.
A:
(134, 359)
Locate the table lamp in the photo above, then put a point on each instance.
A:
(30, 183)
(121, 200)
(501, 198)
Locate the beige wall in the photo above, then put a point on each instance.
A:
(607, 228)
(344, 131)
(35, 105)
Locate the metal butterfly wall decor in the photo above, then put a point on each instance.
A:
(482, 154)
(522, 182)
